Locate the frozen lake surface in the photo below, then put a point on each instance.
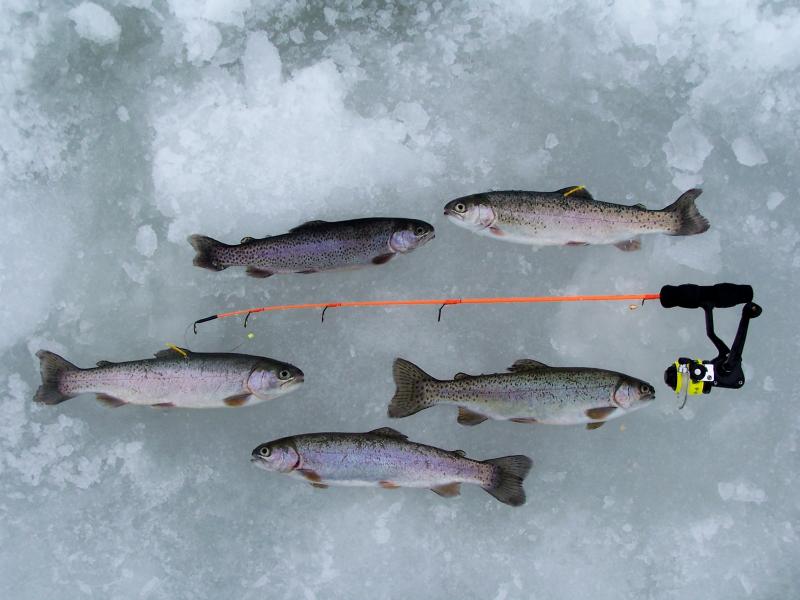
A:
(126, 125)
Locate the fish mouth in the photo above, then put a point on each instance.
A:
(449, 212)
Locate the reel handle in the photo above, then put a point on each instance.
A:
(721, 295)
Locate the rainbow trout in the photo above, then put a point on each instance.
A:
(530, 392)
(571, 217)
(316, 246)
(174, 378)
(386, 458)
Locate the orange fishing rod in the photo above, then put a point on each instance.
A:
(441, 302)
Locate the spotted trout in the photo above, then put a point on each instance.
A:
(530, 392)
(174, 378)
(316, 246)
(571, 217)
(386, 458)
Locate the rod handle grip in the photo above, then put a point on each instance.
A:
(721, 295)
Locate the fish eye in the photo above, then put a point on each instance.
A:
(264, 451)
(460, 207)
(644, 388)
(419, 231)
(284, 374)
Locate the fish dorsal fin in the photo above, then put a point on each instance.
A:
(459, 452)
(388, 432)
(575, 191)
(247, 240)
(640, 206)
(461, 376)
(105, 363)
(308, 225)
(526, 364)
(172, 352)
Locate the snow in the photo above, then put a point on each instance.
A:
(95, 24)
(748, 152)
(126, 125)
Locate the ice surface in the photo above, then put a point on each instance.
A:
(126, 125)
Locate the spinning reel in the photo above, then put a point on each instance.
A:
(697, 376)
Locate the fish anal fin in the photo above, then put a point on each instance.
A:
(307, 225)
(319, 486)
(591, 426)
(469, 418)
(388, 432)
(449, 490)
(526, 364)
(575, 191)
(388, 485)
(528, 420)
(237, 399)
(163, 405)
(576, 244)
(600, 413)
(629, 245)
(382, 259)
(110, 401)
(258, 273)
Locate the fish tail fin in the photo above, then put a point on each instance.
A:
(510, 472)
(409, 398)
(52, 367)
(206, 252)
(688, 220)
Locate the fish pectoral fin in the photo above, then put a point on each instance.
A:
(629, 245)
(319, 486)
(110, 401)
(523, 420)
(308, 225)
(601, 413)
(575, 191)
(388, 432)
(591, 426)
(526, 364)
(467, 417)
(382, 259)
(258, 273)
(449, 490)
(497, 231)
(237, 399)
(173, 351)
(461, 376)
(310, 474)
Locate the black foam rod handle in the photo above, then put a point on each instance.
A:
(721, 295)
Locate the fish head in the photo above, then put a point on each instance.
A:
(411, 234)
(279, 455)
(472, 212)
(270, 378)
(632, 393)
